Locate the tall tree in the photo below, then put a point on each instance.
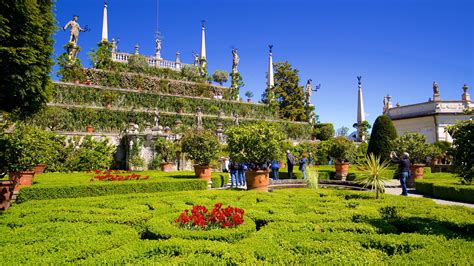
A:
(383, 133)
(288, 93)
(26, 47)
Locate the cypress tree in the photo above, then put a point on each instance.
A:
(26, 47)
(383, 133)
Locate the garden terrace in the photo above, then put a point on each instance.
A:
(76, 118)
(445, 186)
(144, 82)
(299, 226)
(72, 94)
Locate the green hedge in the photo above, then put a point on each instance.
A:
(445, 186)
(104, 120)
(219, 180)
(107, 188)
(141, 82)
(97, 96)
(290, 227)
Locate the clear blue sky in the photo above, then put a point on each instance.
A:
(399, 46)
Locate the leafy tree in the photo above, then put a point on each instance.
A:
(26, 47)
(191, 72)
(463, 149)
(137, 63)
(364, 129)
(220, 76)
(323, 131)
(383, 133)
(342, 149)
(249, 94)
(413, 143)
(70, 70)
(288, 93)
(102, 57)
(201, 146)
(342, 132)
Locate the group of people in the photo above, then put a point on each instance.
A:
(237, 174)
(291, 162)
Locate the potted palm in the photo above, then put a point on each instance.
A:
(341, 149)
(166, 150)
(415, 144)
(255, 145)
(201, 146)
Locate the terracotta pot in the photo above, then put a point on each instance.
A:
(249, 100)
(6, 193)
(166, 167)
(77, 81)
(88, 82)
(24, 178)
(342, 169)
(89, 129)
(108, 106)
(434, 161)
(417, 171)
(282, 164)
(203, 172)
(257, 180)
(39, 168)
(180, 110)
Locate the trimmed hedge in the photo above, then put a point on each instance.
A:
(108, 188)
(220, 180)
(445, 186)
(297, 226)
(70, 94)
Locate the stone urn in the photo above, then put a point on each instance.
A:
(257, 180)
(417, 172)
(203, 172)
(166, 167)
(23, 178)
(39, 168)
(342, 169)
(6, 192)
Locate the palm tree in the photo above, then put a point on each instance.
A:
(373, 174)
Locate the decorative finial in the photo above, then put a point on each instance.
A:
(202, 23)
(136, 48)
(271, 47)
(465, 88)
(359, 78)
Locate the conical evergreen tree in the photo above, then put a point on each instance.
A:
(383, 133)
(288, 93)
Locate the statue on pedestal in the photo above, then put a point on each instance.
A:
(158, 48)
(199, 118)
(435, 88)
(236, 120)
(235, 60)
(75, 29)
(196, 59)
(156, 118)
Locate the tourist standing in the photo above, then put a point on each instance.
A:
(234, 171)
(290, 161)
(302, 166)
(275, 168)
(241, 174)
(403, 169)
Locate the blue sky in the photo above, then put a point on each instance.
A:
(399, 47)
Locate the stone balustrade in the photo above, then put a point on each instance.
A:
(152, 61)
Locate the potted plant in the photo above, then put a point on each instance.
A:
(435, 153)
(341, 150)
(166, 150)
(249, 95)
(415, 144)
(180, 102)
(255, 145)
(19, 153)
(201, 146)
(108, 99)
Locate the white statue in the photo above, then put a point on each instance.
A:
(75, 29)
(199, 118)
(235, 61)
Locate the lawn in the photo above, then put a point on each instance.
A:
(284, 227)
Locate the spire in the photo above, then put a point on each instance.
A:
(270, 80)
(203, 42)
(105, 32)
(360, 111)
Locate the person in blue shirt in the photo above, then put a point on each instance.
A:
(233, 168)
(275, 168)
(403, 169)
(302, 166)
(241, 174)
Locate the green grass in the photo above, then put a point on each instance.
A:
(297, 226)
(445, 186)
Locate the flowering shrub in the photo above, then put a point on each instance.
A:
(116, 175)
(200, 218)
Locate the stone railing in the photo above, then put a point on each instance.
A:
(152, 61)
(428, 108)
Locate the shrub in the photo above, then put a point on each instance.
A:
(383, 132)
(413, 143)
(220, 76)
(255, 144)
(341, 149)
(373, 175)
(463, 149)
(166, 150)
(200, 218)
(87, 154)
(201, 146)
(324, 131)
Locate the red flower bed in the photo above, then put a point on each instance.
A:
(116, 175)
(200, 218)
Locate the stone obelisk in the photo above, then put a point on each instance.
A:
(105, 27)
(360, 111)
(202, 59)
(270, 79)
